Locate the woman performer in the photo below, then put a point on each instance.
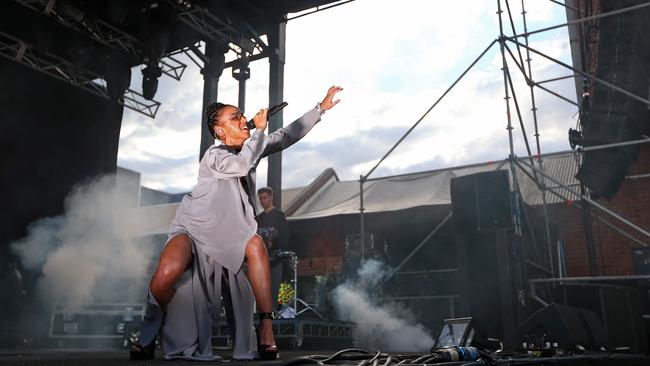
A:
(213, 231)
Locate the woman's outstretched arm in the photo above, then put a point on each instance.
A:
(289, 135)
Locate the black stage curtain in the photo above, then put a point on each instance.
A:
(54, 135)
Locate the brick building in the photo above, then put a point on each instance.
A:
(612, 250)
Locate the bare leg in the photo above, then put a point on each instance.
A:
(174, 260)
(259, 275)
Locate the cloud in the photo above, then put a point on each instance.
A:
(394, 61)
(468, 126)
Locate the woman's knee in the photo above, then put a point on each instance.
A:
(166, 276)
(255, 247)
(175, 258)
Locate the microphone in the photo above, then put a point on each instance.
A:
(273, 110)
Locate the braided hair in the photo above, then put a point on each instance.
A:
(211, 114)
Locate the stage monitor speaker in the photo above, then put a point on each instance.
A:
(568, 326)
(623, 60)
(481, 201)
(618, 307)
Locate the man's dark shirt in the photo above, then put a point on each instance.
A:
(273, 227)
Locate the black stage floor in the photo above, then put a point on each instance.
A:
(101, 357)
(74, 357)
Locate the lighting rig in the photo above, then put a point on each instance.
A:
(110, 36)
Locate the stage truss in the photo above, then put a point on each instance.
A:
(532, 165)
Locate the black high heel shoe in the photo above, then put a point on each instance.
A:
(147, 333)
(140, 352)
(266, 352)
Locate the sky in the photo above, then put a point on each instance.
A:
(394, 59)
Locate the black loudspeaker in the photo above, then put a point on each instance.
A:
(481, 201)
(618, 307)
(623, 60)
(489, 275)
(569, 327)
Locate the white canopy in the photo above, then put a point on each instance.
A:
(333, 197)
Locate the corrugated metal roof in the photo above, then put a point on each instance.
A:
(561, 168)
(433, 188)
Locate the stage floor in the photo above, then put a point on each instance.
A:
(75, 357)
(101, 357)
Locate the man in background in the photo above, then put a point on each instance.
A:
(273, 228)
(271, 223)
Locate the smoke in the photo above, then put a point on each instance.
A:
(79, 256)
(383, 327)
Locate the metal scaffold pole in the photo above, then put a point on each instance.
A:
(362, 229)
(592, 202)
(364, 178)
(533, 165)
(507, 97)
(540, 161)
(507, 87)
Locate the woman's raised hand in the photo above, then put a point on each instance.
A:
(328, 101)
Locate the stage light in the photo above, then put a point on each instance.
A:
(575, 138)
(246, 44)
(150, 75)
(157, 30)
(455, 332)
(241, 72)
(463, 332)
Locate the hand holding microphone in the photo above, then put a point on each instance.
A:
(259, 121)
(263, 116)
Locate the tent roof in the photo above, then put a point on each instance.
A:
(428, 188)
(328, 196)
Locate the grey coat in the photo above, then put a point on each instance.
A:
(219, 217)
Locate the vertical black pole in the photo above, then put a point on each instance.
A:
(241, 73)
(589, 234)
(241, 100)
(212, 71)
(507, 288)
(276, 39)
(362, 228)
(462, 263)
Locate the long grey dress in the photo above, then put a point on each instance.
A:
(219, 217)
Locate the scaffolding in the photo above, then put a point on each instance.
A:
(532, 165)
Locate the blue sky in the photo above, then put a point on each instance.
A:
(394, 59)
